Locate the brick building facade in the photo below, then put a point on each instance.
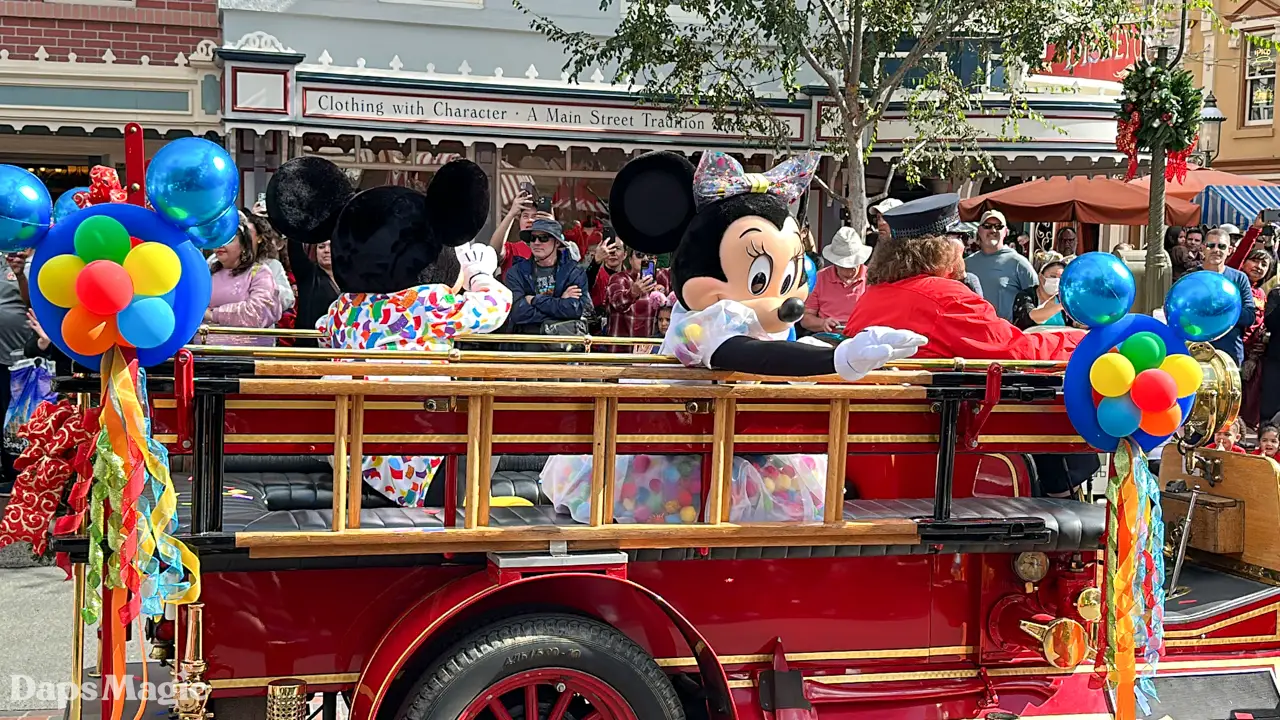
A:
(74, 72)
(158, 30)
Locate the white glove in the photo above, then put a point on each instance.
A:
(874, 347)
(477, 260)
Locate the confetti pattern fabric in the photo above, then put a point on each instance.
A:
(427, 318)
(719, 176)
(694, 336)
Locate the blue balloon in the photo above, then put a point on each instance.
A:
(25, 209)
(1077, 392)
(189, 299)
(146, 322)
(1203, 306)
(1118, 416)
(811, 272)
(1097, 289)
(221, 231)
(66, 204)
(192, 181)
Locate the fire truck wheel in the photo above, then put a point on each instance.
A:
(544, 666)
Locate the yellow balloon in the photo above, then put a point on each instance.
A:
(154, 268)
(1185, 371)
(1111, 375)
(57, 280)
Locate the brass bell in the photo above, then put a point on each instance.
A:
(1063, 642)
(1218, 400)
(1089, 604)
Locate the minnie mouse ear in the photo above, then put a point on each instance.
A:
(304, 198)
(458, 202)
(382, 241)
(651, 202)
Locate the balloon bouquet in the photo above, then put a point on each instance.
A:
(119, 288)
(1129, 386)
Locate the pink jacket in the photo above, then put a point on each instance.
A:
(246, 300)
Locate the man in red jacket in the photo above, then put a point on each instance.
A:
(915, 283)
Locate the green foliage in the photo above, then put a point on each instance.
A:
(1167, 103)
(735, 56)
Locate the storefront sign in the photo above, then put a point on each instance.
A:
(513, 112)
(1095, 66)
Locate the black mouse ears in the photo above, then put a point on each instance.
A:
(307, 195)
(651, 202)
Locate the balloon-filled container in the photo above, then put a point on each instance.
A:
(778, 488)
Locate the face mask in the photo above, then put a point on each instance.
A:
(1051, 285)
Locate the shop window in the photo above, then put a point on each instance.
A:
(1260, 85)
(384, 161)
(575, 183)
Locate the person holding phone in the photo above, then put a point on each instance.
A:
(521, 209)
(635, 295)
(839, 285)
(607, 258)
(1040, 305)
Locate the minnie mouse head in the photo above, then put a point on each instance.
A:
(384, 239)
(732, 232)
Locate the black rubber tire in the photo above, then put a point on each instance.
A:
(541, 641)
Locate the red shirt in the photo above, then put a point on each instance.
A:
(958, 322)
(516, 249)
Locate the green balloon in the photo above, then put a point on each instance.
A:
(1145, 350)
(102, 238)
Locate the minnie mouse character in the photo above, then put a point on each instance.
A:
(739, 272)
(409, 275)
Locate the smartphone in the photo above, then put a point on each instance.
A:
(543, 204)
(1271, 215)
(262, 198)
(528, 189)
(649, 269)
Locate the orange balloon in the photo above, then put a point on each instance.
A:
(89, 334)
(1162, 422)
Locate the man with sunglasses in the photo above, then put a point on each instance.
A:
(550, 294)
(1002, 271)
(1217, 246)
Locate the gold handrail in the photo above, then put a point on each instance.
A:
(205, 330)
(488, 356)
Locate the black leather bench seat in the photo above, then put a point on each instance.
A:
(397, 518)
(1073, 525)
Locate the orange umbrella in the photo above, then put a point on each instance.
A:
(1198, 179)
(1079, 199)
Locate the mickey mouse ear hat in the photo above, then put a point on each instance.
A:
(383, 238)
(304, 198)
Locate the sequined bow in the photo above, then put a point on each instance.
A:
(720, 176)
(104, 187)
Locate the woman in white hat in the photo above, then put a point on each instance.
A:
(839, 285)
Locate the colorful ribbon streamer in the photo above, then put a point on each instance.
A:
(1133, 582)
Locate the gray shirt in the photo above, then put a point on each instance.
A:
(1003, 274)
(14, 331)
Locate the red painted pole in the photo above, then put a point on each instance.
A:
(113, 657)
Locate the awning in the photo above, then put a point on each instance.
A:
(1088, 200)
(1236, 204)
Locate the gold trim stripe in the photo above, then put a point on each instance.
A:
(678, 662)
(256, 682)
(869, 439)
(1201, 632)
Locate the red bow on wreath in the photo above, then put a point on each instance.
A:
(104, 187)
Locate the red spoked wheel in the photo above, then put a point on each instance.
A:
(543, 667)
(550, 694)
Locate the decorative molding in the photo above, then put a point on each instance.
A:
(260, 41)
(204, 51)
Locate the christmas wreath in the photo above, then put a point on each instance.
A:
(1160, 105)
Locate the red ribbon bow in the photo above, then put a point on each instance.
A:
(104, 187)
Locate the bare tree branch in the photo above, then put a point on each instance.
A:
(893, 170)
(934, 31)
(822, 185)
(827, 76)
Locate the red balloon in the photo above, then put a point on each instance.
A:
(1097, 397)
(1154, 391)
(104, 287)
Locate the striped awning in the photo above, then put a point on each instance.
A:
(1236, 204)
